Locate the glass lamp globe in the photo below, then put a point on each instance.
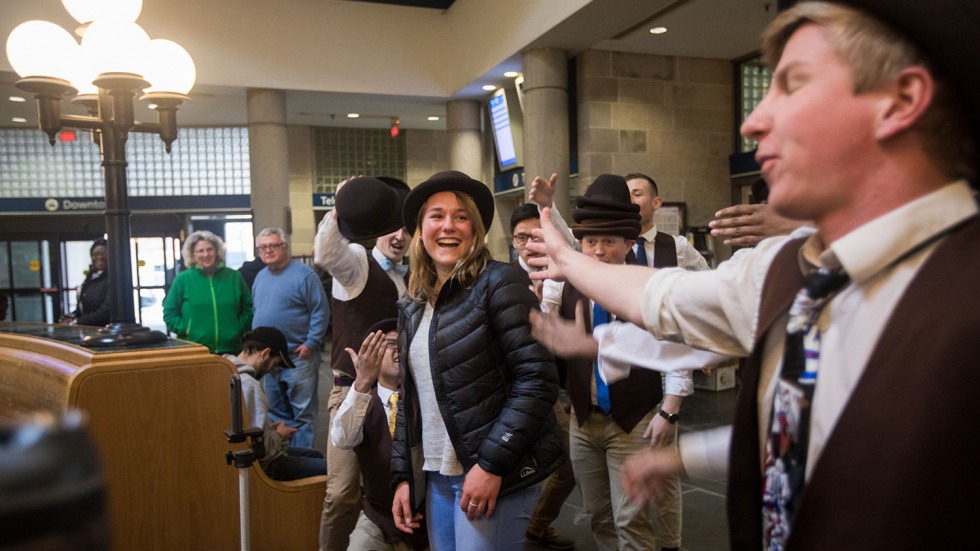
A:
(169, 68)
(114, 47)
(41, 49)
(86, 11)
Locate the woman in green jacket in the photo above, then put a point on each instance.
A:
(208, 303)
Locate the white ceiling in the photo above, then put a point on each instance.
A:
(334, 56)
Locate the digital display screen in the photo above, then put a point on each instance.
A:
(502, 132)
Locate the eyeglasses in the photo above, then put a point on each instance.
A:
(521, 238)
(271, 247)
(392, 344)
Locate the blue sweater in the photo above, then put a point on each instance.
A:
(293, 302)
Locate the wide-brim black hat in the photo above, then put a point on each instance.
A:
(450, 180)
(945, 30)
(370, 207)
(274, 339)
(606, 209)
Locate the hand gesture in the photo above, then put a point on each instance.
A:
(661, 432)
(644, 473)
(543, 191)
(552, 245)
(564, 338)
(746, 225)
(367, 361)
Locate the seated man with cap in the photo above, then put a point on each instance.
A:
(609, 421)
(365, 423)
(366, 287)
(264, 350)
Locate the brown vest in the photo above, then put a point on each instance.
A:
(352, 318)
(631, 398)
(374, 459)
(664, 251)
(900, 468)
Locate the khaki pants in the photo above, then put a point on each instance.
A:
(343, 498)
(598, 450)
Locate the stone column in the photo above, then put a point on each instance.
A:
(268, 149)
(546, 119)
(463, 129)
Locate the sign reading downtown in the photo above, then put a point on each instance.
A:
(95, 205)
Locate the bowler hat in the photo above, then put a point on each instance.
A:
(946, 31)
(450, 180)
(385, 326)
(274, 339)
(605, 209)
(370, 207)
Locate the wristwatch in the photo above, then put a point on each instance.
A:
(670, 417)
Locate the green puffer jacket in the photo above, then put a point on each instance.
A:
(211, 310)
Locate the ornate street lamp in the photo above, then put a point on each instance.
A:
(115, 61)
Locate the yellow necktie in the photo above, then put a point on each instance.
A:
(392, 412)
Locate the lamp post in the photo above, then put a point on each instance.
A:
(115, 61)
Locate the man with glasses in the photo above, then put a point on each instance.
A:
(287, 294)
(365, 423)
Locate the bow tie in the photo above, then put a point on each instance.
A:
(400, 269)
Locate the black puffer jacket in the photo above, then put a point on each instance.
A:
(496, 384)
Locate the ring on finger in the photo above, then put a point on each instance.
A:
(473, 504)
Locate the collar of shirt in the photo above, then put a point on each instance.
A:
(876, 245)
(384, 393)
(382, 259)
(650, 235)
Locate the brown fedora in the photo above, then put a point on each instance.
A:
(370, 207)
(450, 180)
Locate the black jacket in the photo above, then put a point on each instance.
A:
(496, 384)
(93, 304)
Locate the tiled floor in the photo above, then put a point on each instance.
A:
(704, 527)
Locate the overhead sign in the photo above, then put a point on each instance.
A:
(91, 205)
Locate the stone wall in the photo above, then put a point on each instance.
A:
(669, 117)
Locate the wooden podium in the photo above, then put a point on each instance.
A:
(157, 416)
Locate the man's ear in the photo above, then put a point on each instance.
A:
(904, 102)
(657, 202)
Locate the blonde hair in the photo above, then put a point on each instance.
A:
(187, 251)
(877, 55)
(422, 281)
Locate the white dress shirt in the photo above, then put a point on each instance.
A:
(687, 256)
(719, 310)
(346, 262)
(347, 429)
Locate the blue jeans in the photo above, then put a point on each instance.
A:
(450, 530)
(297, 463)
(292, 397)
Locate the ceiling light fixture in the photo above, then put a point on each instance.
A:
(18, 119)
(433, 118)
(489, 87)
(353, 115)
(658, 30)
(511, 74)
(17, 99)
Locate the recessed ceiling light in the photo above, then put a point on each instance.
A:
(353, 115)
(489, 87)
(151, 106)
(658, 30)
(511, 74)
(17, 99)
(433, 118)
(19, 119)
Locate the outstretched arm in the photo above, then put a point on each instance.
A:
(588, 275)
